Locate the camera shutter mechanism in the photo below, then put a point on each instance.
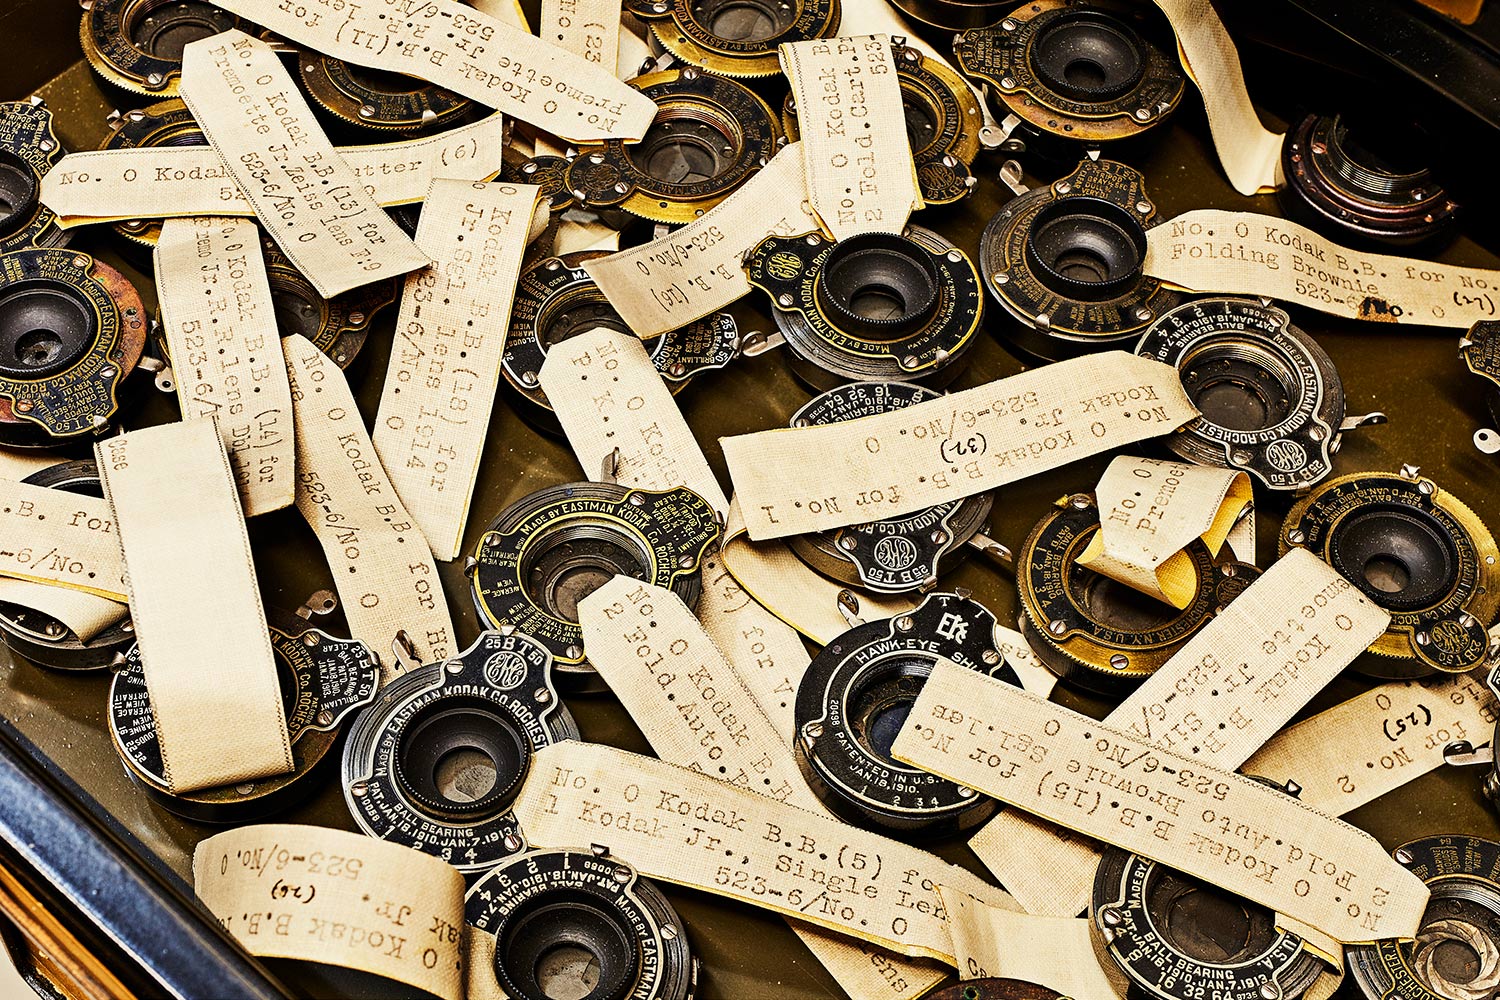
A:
(1073, 73)
(1162, 930)
(552, 923)
(137, 45)
(1414, 550)
(556, 300)
(72, 328)
(876, 306)
(322, 680)
(736, 38)
(378, 99)
(29, 149)
(1271, 401)
(1066, 261)
(710, 135)
(856, 696)
(1332, 178)
(549, 550)
(1456, 953)
(435, 762)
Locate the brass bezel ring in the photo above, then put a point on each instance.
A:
(1446, 634)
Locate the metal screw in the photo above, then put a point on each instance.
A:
(905, 623)
(309, 638)
(848, 543)
(990, 656)
(964, 792)
(325, 718)
(1057, 626)
(785, 300)
(1296, 536)
(574, 652)
(1119, 661)
(541, 696)
(1405, 856)
(356, 317)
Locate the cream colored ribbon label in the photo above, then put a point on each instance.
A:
(1247, 150)
(107, 185)
(445, 362)
(1150, 511)
(589, 29)
(883, 19)
(680, 690)
(1225, 693)
(765, 651)
(330, 896)
(1034, 677)
(226, 355)
(307, 198)
(1376, 742)
(1209, 250)
(946, 449)
(1239, 834)
(381, 564)
(856, 156)
(607, 395)
(1056, 952)
(198, 618)
(681, 826)
(698, 712)
(470, 53)
(84, 614)
(809, 602)
(60, 538)
(570, 237)
(696, 270)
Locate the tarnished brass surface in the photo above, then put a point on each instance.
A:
(1412, 374)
